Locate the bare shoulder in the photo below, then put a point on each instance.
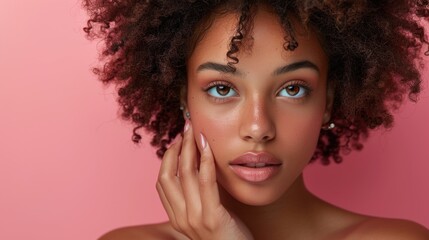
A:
(392, 229)
(342, 224)
(143, 232)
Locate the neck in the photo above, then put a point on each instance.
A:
(282, 219)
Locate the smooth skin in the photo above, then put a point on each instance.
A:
(270, 104)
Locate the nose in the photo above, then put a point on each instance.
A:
(256, 123)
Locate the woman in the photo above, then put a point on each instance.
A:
(259, 89)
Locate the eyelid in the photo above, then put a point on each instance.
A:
(219, 82)
(207, 88)
(299, 83)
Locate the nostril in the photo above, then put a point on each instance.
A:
(262, 139)
(247, 137)
(265, 138)
(258, 129)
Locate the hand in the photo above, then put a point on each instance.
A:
(191, 196)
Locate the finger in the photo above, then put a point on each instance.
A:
(170, 184)
(167, 206)
(207, 179)
(169, 161)
(189, 177)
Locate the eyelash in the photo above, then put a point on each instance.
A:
(219, 83)
(301, 84)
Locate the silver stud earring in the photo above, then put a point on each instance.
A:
(330, 126)
(187, 114)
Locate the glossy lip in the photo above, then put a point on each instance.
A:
(271, 166)
(256, 157)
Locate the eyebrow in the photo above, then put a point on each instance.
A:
(295, 66)
(218, 67)
(281, 70)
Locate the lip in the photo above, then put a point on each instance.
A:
(255, 166)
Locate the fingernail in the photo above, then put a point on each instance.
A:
(186, 126)
(203, 141)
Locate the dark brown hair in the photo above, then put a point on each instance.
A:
(374, 50)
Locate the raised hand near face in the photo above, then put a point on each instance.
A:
(190, 195)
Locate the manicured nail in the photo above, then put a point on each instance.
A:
(203, 141)
(186, 126)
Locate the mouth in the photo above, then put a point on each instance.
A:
(255, 167)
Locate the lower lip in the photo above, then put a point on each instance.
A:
(255, 174)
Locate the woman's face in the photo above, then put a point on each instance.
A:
(273, 105)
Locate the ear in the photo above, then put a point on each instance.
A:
(330, 93)
(183, 100)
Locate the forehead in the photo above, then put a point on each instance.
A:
(265, 40)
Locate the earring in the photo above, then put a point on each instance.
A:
(330, 126)
(187, 114)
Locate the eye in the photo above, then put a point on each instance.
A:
(221, 90)
(294, 91)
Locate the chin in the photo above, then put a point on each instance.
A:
(257, 202)
(254, 195)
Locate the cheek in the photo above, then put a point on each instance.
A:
(217, 128)
(298, 131)
(302, 127)
(214, 123)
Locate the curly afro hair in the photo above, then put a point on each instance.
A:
(373, 46)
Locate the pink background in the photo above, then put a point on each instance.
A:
(68, 169)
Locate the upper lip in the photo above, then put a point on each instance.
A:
(256, 158)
